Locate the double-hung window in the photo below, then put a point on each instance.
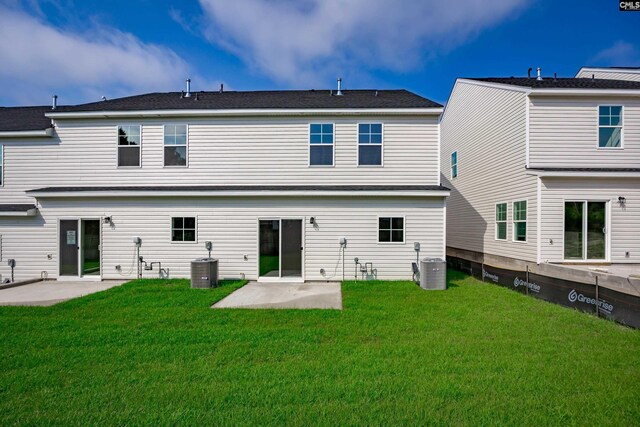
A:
(183, 229)
(501, 221)
(175, 145)
(321, 144)
(454, 164)
(391, 230)
(129, 145)
(520, 221)
(610, 126)
(370, 144)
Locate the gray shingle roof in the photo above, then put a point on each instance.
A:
(24, 118)
(284, 99)
(16, 207)
(562, 83)
(195, 188)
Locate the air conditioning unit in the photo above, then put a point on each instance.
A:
(204, 273)
(433, 274)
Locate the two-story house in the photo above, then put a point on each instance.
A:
(545, 170)
(273, 179)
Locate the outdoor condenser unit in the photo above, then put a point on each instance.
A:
(433, 274)
(204, 273)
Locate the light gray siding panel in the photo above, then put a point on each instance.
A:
(221, 151)
(624, 233)
(487, 127)
(232, 225)
(610, 75)
(564, 133)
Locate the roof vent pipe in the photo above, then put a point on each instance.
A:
(221, 87)
(529, 72)
(339, 92)
(539, 76)
(54, 102)
(188, 94)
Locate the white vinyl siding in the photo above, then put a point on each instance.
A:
(564, 133)
(624, 220)
(232, 225)
(487, 128)
(1, 165)
(610, 75)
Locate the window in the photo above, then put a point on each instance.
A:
(321, 144)
(391, 230)
(501, 221)
(175, 145)
(610, 126)
(520, 221)
(183, 229)
(129, 145)
(370, 144)
(454, 164)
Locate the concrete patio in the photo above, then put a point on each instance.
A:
(324, 295)
(51, 292)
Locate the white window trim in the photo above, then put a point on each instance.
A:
(456, 164)
(404, 230)
(621, 147)
(1, 165)
(118, 147)
(506, 221)
(607, 243)
(513, 221)
(333, 164)
(381, 145)
(171, 229)
(186, 145)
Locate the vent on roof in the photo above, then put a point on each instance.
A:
(221, 87)
(529, 72)
(339, 92)
(539, 76)
(188, 94)
(54, 102)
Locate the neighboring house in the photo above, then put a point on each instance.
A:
(610, 73)
(273, 179)
(543, 170)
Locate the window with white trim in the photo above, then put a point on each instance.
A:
(501, 221)
(370, 144)
(610, 126)
(454, 164)
(520, 221)
(183, 229)
(129, 145)
(321, 144)
(175, 145)
(391, 230)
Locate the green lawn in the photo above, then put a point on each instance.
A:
(154, 353)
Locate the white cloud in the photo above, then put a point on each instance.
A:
(304, 41)
(621, 53)
(38, 59)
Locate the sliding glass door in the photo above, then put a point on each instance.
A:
(280, 248)
(585, 231)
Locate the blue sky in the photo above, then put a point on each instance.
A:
(84, 49)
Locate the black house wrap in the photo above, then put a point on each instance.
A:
(610, 304)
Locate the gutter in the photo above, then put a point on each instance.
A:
(30, 212)
(247, 112)
(583, 174)
(27, 133)
(209, 193)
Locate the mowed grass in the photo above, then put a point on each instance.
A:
(154, 353)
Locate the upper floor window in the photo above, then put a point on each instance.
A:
(454, 164)
(129, 145)
(501, 221)
(610, 126)
(520, 221)
(391, 230)
(1, 165)
(370, 144)
(175, 145)
(321, 144)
